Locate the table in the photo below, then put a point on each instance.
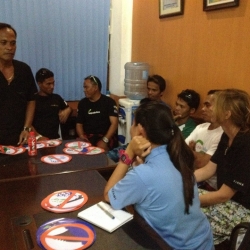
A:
(20, 210)
(23, 165)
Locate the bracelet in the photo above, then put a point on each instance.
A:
(27, 129)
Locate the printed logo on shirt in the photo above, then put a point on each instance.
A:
(199, 147)
(93, 112)
(239, 183)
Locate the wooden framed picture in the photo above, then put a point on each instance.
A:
(219, 4)
(169, 8)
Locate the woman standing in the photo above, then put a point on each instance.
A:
(230, 204)
(162, 189)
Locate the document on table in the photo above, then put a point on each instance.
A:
(104, 216)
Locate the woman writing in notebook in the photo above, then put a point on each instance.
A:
(162, 189)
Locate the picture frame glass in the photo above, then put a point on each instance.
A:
(170, 7)
(217, 2)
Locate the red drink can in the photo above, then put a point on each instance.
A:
(32, 151)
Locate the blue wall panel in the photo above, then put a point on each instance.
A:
(70, 37)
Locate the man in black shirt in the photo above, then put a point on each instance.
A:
(17, 89)
(51, 109)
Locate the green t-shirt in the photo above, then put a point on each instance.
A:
(189, 126)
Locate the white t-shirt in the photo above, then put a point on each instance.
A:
(207, 142)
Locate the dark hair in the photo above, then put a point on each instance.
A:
(145, 100)
(5, 26)
(163, 130)
(158, 80)
(42, 74)
(95, 80)
(212, 91)
(238, 103)
(191, 97)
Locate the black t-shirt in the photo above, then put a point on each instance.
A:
(233, 166)
(46, 119)
(13, 102)
(95, 115)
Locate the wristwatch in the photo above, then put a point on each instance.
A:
(124, 157)
(38, 137)
(27, 129)
(105, 139)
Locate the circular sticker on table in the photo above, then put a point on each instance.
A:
(87, 151)
(64, 201)
(93, 151)
(70, 234)
(19, 150)
(56, 158)
(8, 150)
(72, 151)
(51, 143)
(77, 144)
(38, 145)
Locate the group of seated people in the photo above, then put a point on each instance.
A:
(189, 182)
(168, 153)
(156, 169)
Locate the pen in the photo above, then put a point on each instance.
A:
(106, 211)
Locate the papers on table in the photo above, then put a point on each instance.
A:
(105, 217)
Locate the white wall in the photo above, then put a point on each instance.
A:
(120, 43)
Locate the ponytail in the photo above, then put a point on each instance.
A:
(183, 159)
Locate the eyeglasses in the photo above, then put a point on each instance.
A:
(92, 77)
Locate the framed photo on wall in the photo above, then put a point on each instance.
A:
(219, 4)
(169, 8)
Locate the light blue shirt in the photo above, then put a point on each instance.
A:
(156, 190)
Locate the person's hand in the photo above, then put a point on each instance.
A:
(83, 138)
(192, 145)
(23, 138)
(139, 146)
(102, 144)
(43, 138)
(176, 117)
(138, 160)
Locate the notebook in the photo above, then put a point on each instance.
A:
(104, 216)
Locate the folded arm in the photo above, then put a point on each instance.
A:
(205, 172)
(64, 114)
(138, 146)
(224, 194)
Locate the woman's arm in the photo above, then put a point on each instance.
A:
(205, 172)
(224, 194)
(138, 146)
